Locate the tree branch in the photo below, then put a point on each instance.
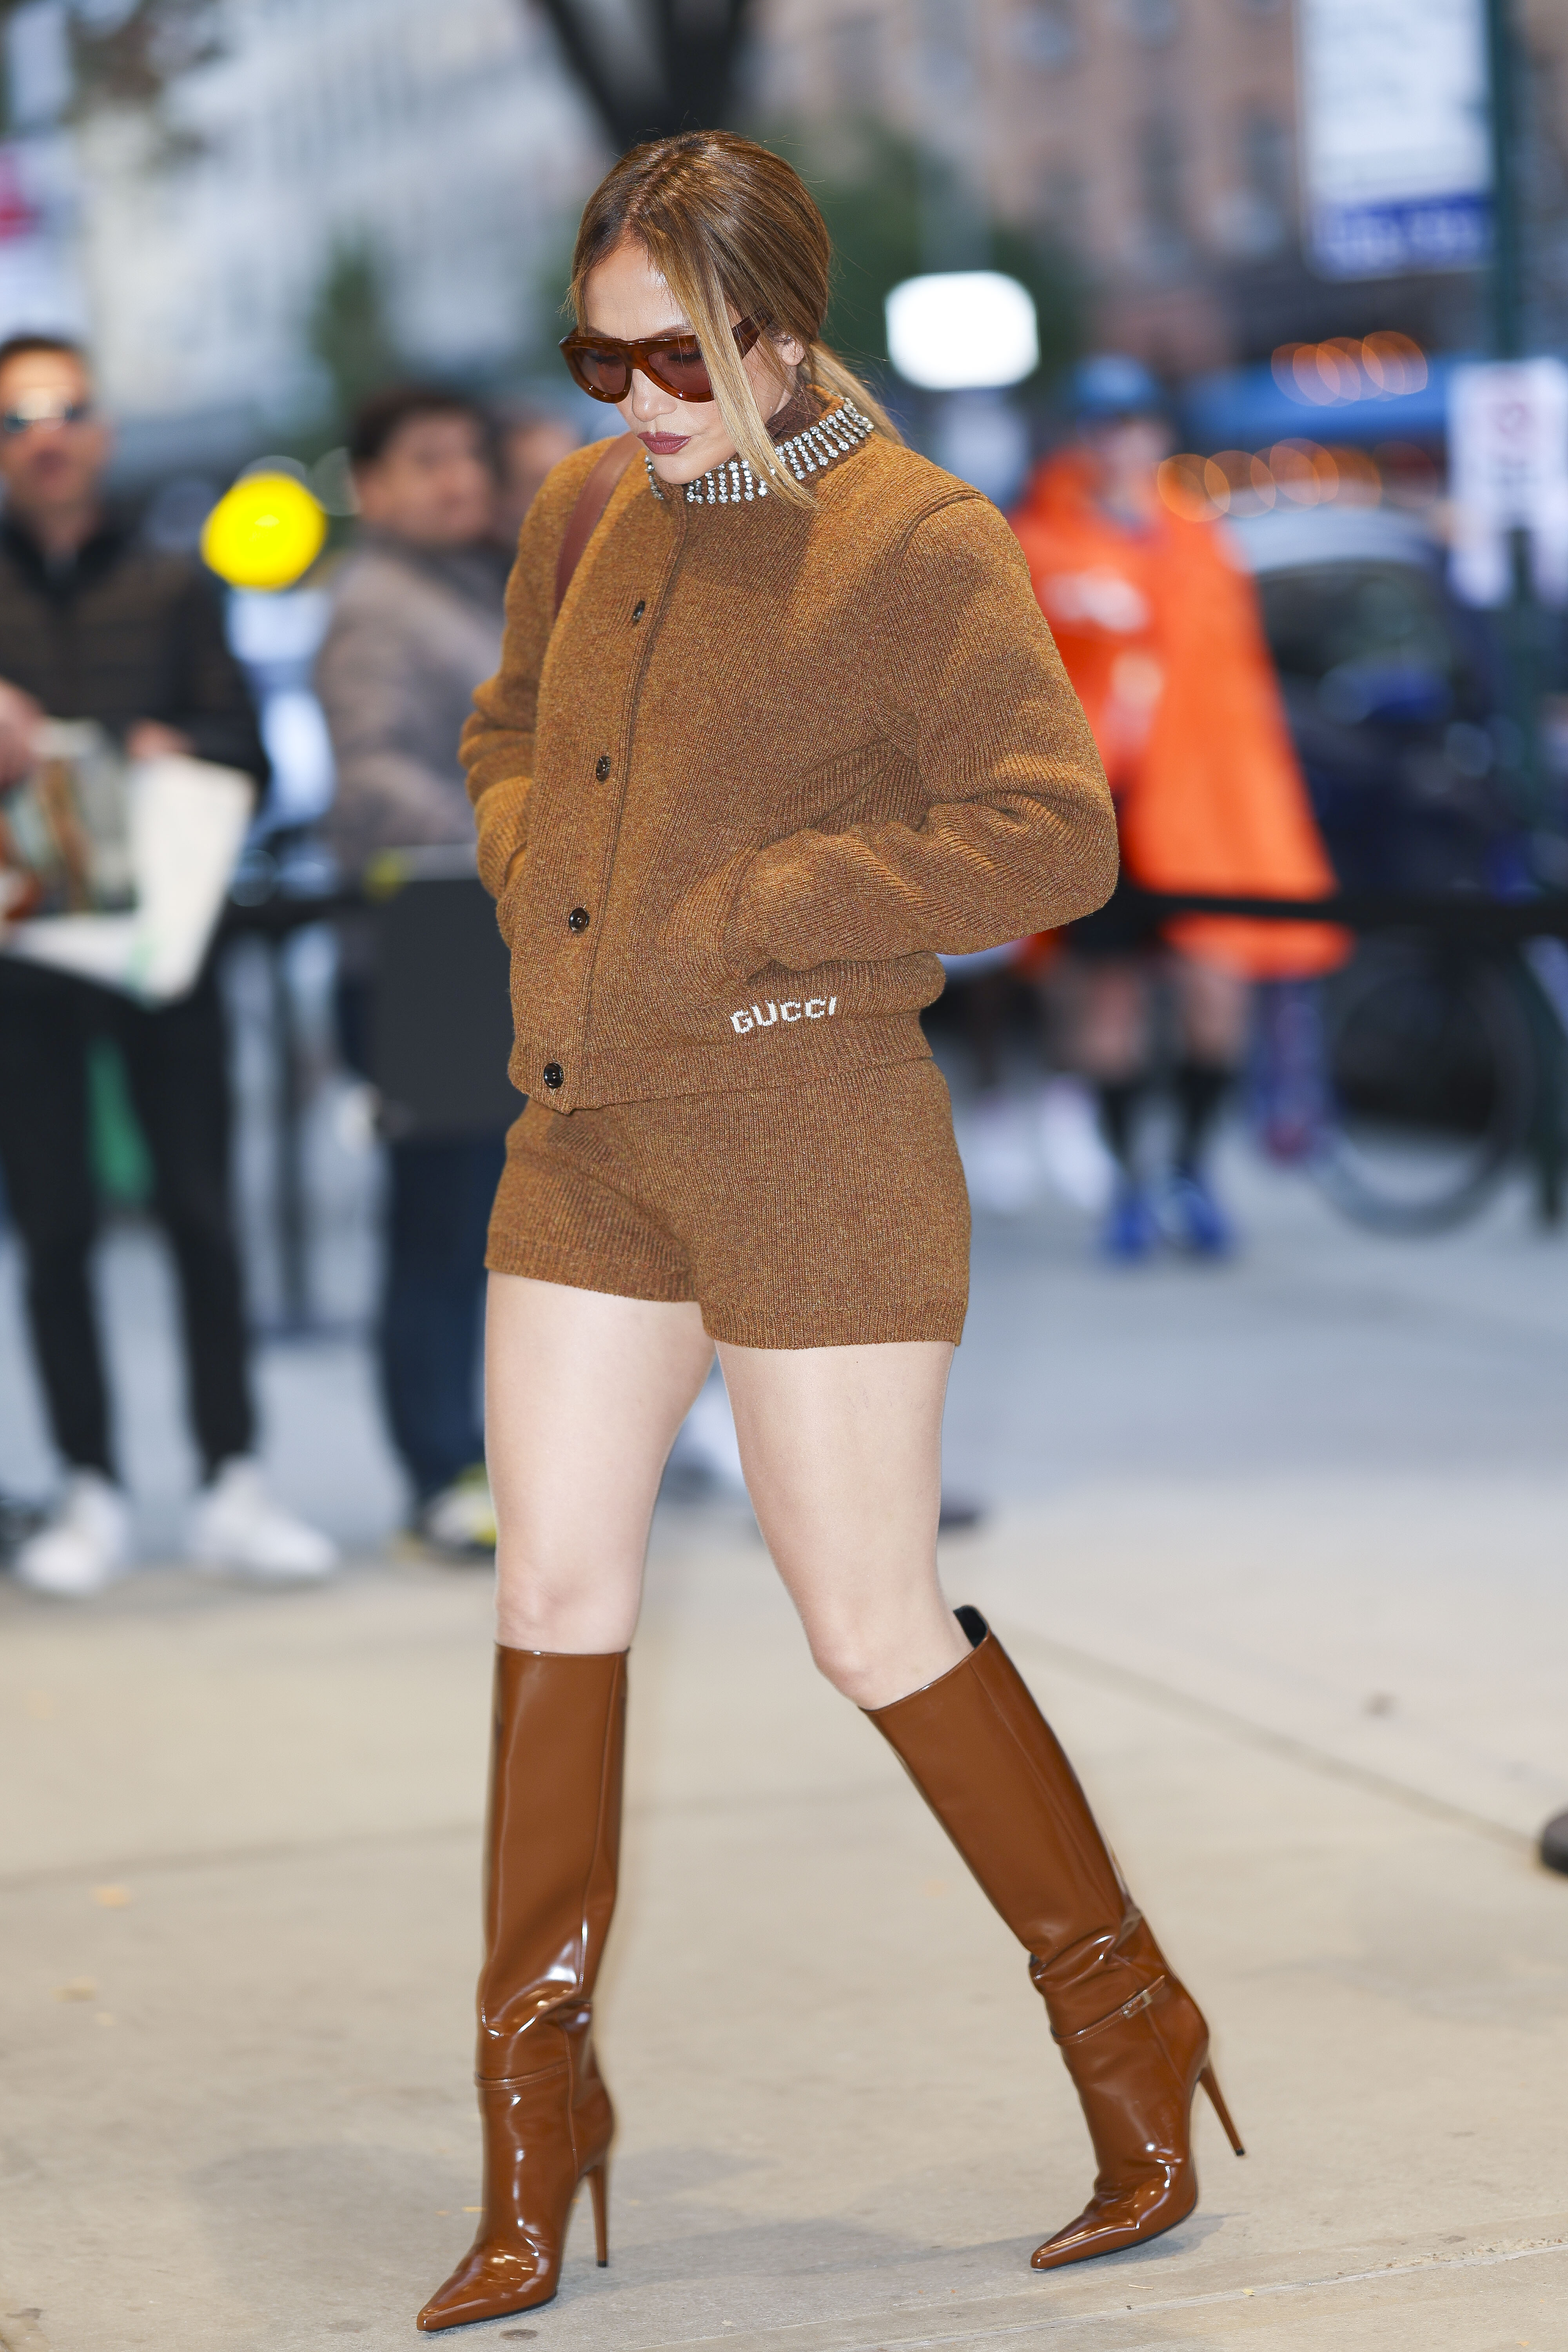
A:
(622, 120)
(695, 61)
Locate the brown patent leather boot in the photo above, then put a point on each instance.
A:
(1136, 2043)
(553, 1839)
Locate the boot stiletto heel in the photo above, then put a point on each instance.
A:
(1210, 2081)
(599, 2183)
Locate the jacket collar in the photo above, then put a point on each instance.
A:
(828, 435)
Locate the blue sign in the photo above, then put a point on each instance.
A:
(1385, 239)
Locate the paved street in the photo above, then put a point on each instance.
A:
(1280, 1547)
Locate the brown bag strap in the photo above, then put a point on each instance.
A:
(592, 499)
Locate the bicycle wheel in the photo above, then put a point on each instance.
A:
(1430, 1079)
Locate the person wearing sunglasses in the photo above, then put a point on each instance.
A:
(777, 720)
(94, 624)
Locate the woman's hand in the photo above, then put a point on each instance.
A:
(700, 948)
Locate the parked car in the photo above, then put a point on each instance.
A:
(1390, 695)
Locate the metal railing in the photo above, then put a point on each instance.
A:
(1469, 919)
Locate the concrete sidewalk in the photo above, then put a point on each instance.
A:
(240, 1929)
(1283, 1547)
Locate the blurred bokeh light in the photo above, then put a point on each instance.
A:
(266, 532)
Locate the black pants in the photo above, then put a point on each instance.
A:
(440, 1190)
(433, 1301)
(176, 1064)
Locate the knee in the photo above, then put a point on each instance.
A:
(854, 1665)
(874, 1656)
(561, 1610)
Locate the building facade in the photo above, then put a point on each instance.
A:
(444, 145)
(1154, 139)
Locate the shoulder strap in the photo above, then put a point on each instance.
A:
(592, 499)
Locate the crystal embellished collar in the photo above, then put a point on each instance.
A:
(811, 452)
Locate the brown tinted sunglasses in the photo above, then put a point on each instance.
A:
(603, 365)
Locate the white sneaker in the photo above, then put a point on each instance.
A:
(1073, 1151)
(235, 1524)
(460, 1520)
(83, 1546)
(1001, 1163)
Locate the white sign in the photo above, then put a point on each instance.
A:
(1508, 456)
(188, 822)
(963, 330)
(1396, 134)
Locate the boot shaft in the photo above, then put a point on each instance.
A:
(993, 1771)
(553, 1847)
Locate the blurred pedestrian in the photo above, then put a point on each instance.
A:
(528, 441)
(1161, 633)
(94, 626)
(415, 627)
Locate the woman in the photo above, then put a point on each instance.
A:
(797, 725)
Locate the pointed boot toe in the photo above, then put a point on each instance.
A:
(1126, 2215)
(514, 2263)
(490, 2283)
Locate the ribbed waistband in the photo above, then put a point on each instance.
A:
(755, 1062)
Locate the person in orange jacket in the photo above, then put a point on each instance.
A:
(1160, 630)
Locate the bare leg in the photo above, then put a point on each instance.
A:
(1113, 1052)
(842, 1452)
(1212, 1007)
(1113, 1043)
(584, 1394)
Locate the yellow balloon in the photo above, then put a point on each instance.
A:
(264, 532)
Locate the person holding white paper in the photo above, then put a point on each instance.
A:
(94, 626)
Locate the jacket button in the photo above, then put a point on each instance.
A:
(577, 921)
(553, 1075)
(639, 609)
(602, 767)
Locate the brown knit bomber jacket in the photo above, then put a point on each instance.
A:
(765, 764)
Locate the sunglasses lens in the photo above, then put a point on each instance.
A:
(675, 361)
(681, 367)
(602, 372)
(22, 420)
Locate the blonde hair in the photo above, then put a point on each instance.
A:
(729, 226)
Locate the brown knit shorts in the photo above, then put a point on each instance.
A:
(824, 1215)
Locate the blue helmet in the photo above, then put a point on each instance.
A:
(1113, 384)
